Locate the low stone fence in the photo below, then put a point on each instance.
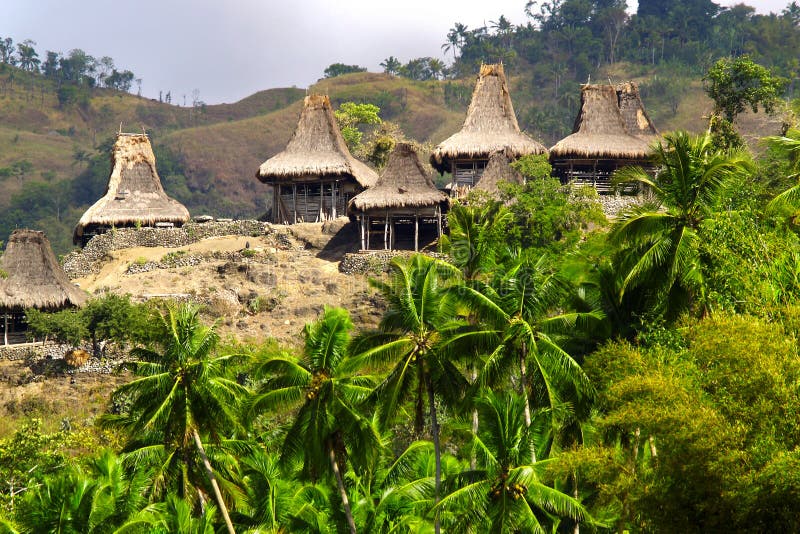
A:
(48, 358)
(87, 261)
(376, 261)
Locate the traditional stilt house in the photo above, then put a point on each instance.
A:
(134, 196)
(31, 278)
(600, 142)
(490, 125)
(498, 170)
(315, 177)
(404, 202)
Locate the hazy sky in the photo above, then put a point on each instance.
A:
(228, 49)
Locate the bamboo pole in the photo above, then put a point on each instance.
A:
(361, 221)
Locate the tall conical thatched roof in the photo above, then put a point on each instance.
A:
(599, 130)
(404, 183)
(34, 277)
(636, 120)
(317, 148)
(498, 170)
(490, 125)
(134, 193)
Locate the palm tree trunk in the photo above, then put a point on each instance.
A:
(436, 450)
(342, 493)
(213, 479)
(523, 379)
(473, 460)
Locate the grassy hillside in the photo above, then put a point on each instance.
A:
(54, 155)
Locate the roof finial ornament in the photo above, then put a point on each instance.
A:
(589, 80)
(143, 132)
(120, 129)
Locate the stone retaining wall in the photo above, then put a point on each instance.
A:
(48, 358)
(376, 261)
(87, 261)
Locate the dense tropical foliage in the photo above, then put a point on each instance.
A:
(548, 371)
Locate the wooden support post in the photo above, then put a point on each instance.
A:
(276, 193)
(369, 227)
(439, 221)
(386, 232)
(361, 220)
(391, 235)
(333, 200)
(416, 231)
(294, 203)
(5, 328)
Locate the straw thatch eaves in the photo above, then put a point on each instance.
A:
(599, 131)
(34, 277)
(498, 170)
(637, 121)
(316, 149)
(490, 125)
(404, 183)
(134, 194)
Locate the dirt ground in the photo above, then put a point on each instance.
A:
(273, 293)
(290, 283)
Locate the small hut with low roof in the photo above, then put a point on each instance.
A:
(134, 196)
(498, 170)
(315, 175)
(490, 125)
(32, 278)
(403, 196)
(600, 142)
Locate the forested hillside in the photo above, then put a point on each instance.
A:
(59, 111)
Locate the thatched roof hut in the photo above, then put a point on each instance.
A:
(34, 279)
(491, 125)
(498, 170)
(134, 194)
(404, 183)
(403, 195)
(599, 131)
(637, 121)
(317, 148)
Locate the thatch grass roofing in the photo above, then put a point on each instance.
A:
(404, 183)
(637, 121)
(498, 170)
(134, 193)
(491, 125)
(317, 148)
(599, 131)
(34, 277)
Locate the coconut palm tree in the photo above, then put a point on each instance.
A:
(181, 391)
(100, 499)
(505, 493)
(327, 425)
(475, 239)
(657, 243)
(266, 503)
(525, 303)
(419, 339)
(174, 516)
(788, 146)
